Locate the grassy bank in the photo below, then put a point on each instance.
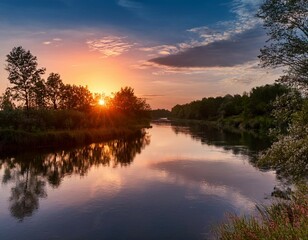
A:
(19, 140)
(282, 220)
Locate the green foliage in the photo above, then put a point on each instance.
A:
(284, 108)
(250, 112)
(287, 28)
(261, 98)
(289, 155)
(282, 220)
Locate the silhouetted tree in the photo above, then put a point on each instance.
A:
(23, 74)
(126, 101)
(39, 97)
(76, 97)
(54, 87)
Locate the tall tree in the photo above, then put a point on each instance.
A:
(54, 87)
(286, 22)
(23, 73)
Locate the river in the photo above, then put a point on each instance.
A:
(168, 182)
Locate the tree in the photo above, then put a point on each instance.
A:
(23, 74)
(287, 27)
(39, 94)
(126, 101)
(261, 98)
(287, 24)
(6, 100)
(54, 87)
(76, 97)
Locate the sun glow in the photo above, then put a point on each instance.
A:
(101, 102)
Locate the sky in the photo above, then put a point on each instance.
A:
(170, 51)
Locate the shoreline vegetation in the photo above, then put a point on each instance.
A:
(17, 140)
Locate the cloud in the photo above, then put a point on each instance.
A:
(129, 4)
(239, 49)
(53, 41)
(110, 46)
(161, 50)
(224, 44)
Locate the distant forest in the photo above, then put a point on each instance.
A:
(253, 111)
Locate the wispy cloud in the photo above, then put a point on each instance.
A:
(245, 19)
(110, 46)
(54, 41)
(129, 4)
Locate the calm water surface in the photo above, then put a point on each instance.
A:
(170, 182)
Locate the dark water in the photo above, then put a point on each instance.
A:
(170, 182)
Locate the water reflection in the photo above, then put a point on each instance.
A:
(238, 143)
(29, 173)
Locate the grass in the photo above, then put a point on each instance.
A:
(286, 220)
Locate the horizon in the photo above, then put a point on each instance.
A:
(170, 52)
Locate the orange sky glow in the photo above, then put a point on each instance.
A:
(105, 64)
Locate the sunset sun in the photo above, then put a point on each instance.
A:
(101, 102)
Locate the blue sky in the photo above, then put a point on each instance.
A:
(171, 51)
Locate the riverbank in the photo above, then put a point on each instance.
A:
(286, 219)
(19, 140)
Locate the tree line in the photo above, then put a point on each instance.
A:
(34, 104)
(249, 110)
(29, 90)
